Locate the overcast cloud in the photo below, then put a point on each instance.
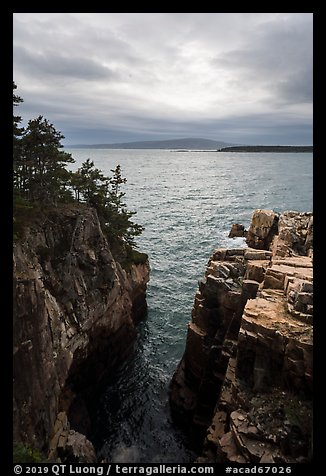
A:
(115, 77)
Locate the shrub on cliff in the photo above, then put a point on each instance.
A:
(105, 195)
(117, 219)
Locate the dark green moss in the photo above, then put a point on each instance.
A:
(24, 454)
(299, 413)
(133, 257)
(138, 258)
(23, 213)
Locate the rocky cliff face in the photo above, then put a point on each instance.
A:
(244, 385)
(74, 313)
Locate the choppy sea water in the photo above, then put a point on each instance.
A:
(187, 202)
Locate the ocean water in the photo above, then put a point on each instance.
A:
(187, 202)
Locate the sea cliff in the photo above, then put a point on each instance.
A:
(75, 309)
(243, 388)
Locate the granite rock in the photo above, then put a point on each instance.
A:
(73, 318)
(237, 230)
(262, 230)
(249, 368)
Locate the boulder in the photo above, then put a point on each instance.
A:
(263, 228)
(237, 230)
(67, 445)
(295, 234)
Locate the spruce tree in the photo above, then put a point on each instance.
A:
(48, 178)
(119, 224)
(17, 142)
(41, 178)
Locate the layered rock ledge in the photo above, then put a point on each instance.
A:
(244, 385)
(75, 309)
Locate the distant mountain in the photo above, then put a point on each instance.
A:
(187, 144)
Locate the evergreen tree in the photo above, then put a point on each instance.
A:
(17, 119)
(41, 177)
(89, 184)
(47, 178)
(105, 194)
(17, 142)
(119, 225)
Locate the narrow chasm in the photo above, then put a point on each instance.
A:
(131, 419)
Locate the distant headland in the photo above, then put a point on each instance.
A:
(268, 148)
(187, 144)
(195, 144)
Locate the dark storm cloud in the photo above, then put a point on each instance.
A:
(260, 129)
(276, 57)
(298, 86)
(243, 78)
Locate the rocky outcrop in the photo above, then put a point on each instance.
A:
(263, 228)
(295, 234)
(291, 232)
(244, 385)
(237, 230)
(69, 445)
(74, 310)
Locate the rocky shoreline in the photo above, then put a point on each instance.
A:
(243, 388)
(75, 310)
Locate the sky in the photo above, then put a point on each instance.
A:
(243, 78)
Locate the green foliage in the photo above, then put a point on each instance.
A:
(39, 165)
(88, 183)
(133, 256)
(17, 130)
(299, 414)
(119, 227)
(41, 170)
(23, 210)
(138, 258)
(16, 119)
(25, 454)
(41, 179)
(104, 194)
(115, 193)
